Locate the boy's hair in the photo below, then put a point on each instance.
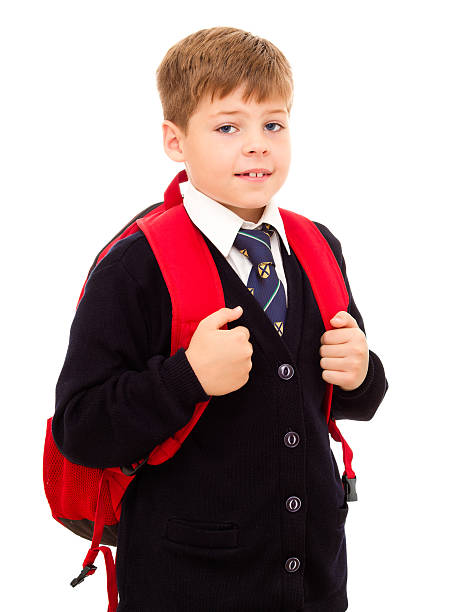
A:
(216, 61)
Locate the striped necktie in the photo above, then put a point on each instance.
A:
(263, 282)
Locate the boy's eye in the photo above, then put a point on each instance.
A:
(224, 126)
(274, 123)
(229, 125)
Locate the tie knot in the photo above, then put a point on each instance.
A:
(256, 244)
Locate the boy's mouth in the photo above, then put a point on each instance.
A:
(255, 177)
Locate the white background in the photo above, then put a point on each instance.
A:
(379, 156)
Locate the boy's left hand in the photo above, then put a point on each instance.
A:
(344, 353)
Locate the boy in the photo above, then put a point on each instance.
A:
(248, 516)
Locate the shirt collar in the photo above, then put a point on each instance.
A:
(220, 224)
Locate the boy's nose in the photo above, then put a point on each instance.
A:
(255, 143)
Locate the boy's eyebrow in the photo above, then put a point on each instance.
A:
(239, 112)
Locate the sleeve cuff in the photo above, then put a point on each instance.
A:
(362, 388)
(180, 378)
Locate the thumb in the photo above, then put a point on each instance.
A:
(222, 316)
(340, 319)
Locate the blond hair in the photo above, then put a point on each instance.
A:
(215, 61)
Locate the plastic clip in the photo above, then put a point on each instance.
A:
(129, 470)
(350, 488)
(84, 572)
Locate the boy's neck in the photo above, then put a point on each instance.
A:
(252, 215)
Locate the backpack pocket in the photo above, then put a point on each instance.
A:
(202, 534)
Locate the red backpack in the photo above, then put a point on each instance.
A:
(88, 500)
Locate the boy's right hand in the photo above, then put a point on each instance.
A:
(220, 358)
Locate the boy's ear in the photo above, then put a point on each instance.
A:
(173, 141)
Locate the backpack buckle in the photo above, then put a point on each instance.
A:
(84, 572)
(129, 470)
(350, 488)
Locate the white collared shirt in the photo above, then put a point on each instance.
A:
(221, 226)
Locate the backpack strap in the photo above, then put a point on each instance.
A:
(88, 564)
(116, 480)
(195, 290)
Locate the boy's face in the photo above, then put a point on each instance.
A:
(220, 145)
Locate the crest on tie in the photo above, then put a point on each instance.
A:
(263, 269)
(279, 326)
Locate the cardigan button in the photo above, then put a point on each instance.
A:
(291, 439)
(286, 371)
(292, 564)
(293, 504)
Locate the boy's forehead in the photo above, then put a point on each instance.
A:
(233, 104)
(244, 109)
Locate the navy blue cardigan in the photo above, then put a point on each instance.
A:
(249, 515)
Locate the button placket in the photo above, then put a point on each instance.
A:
(291, 440)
